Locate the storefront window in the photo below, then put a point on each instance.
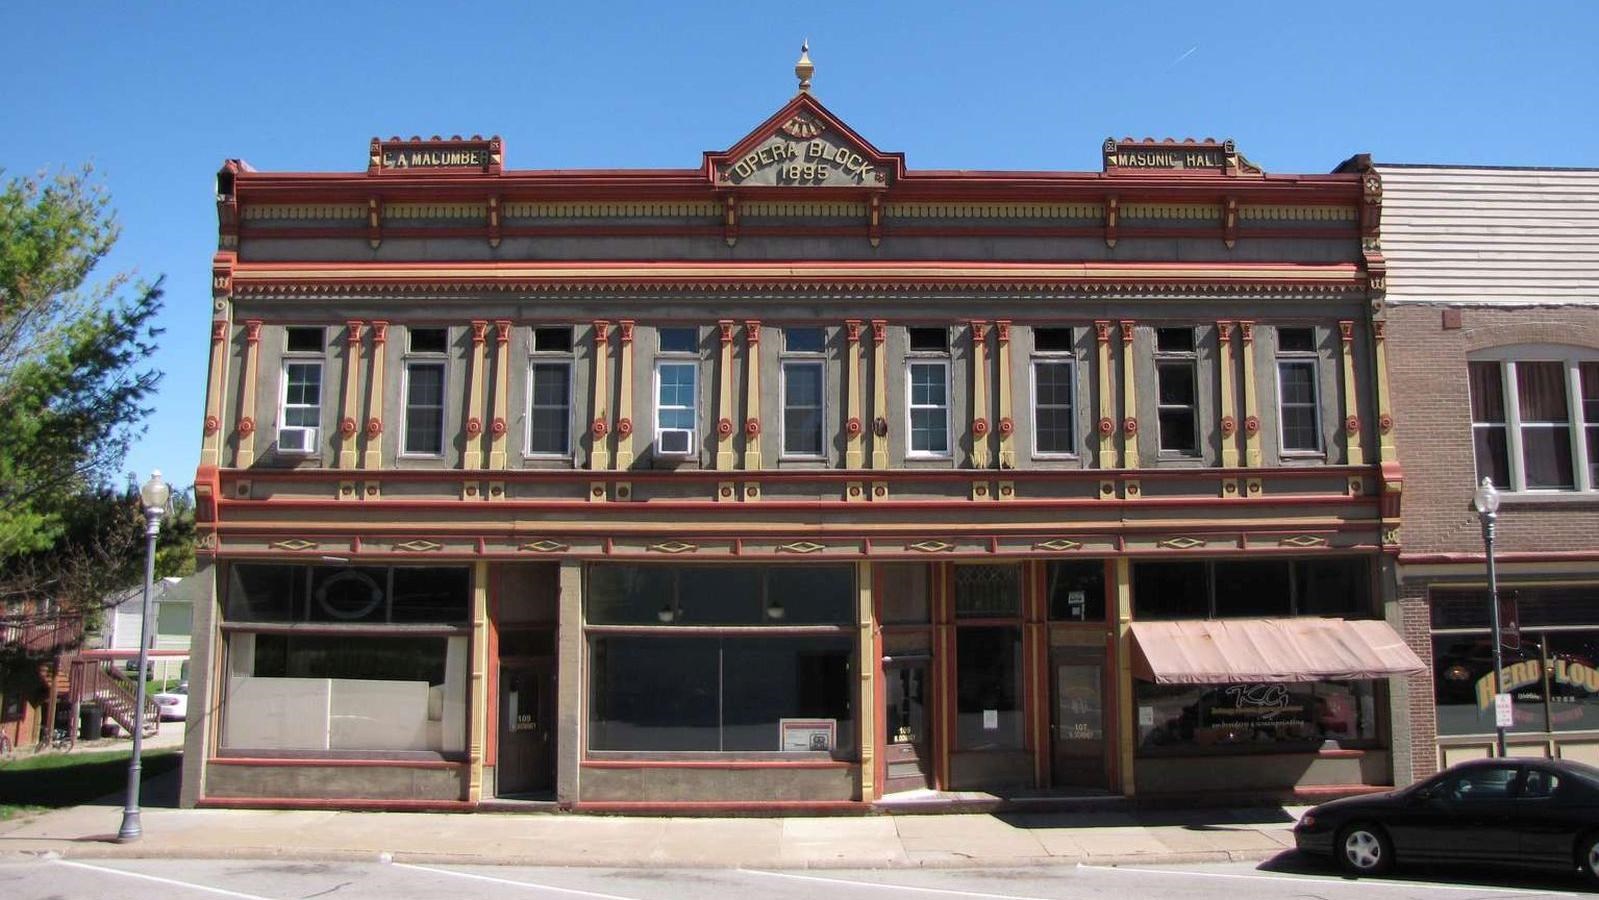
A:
(345, 681)
(675, 666)
(987, 592)
(1237, 588)
(727, 595)
(1553, 677)
(988, 688)
(904, 595)
(345, 693)
(1076, 590)
(717, 693)
(1181, 718)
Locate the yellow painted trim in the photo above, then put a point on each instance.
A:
(880, 394)
(502, 397)
(1251, 397)
(869, 669)
(244, 455)
(435, 211)
(472, 458)
(1355, 441)
(1300, 213)
(1169, 211)
(854, 452)
(600, 452)
(304, 211)
(994, 210)
(624, 403)
(752, 393)
(978, 330)
(1007, 450)
(1107, 406)
(603, 210)
(373, 458)
(724, 397)
(802, 208)
(1229, 442)
(1386, 449)
(480, 682)
(1130, 459)
(1127, 708)
(349, 446)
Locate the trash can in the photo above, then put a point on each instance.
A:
(90, 720)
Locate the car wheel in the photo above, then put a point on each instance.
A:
(1588, 857)
(1364, 849)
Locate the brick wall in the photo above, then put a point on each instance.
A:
(1432, 426)
(1416, 719)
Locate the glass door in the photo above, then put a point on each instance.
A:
(1078, 722)
(907, 760)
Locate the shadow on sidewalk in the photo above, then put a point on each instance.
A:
(1229, 819)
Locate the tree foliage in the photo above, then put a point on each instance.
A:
(73, 379)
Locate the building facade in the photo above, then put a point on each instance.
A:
(795, 480)
(1493, 311)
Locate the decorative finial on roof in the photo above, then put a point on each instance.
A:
(804, 69)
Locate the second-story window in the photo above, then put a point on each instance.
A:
(1177, 395)
(300, 402)
(676, 391)
(927, 392)
(1535, 419)
(425, 366)
(804, 377)
(549, 392)
(1054, 386)
(1298, 397)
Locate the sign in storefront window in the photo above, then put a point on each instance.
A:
(1277, 716)
(1553, 677)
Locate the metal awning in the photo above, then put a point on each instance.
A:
(1225, 651)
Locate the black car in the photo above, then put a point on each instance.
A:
(1541, 813)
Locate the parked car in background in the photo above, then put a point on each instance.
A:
(174, 704)
(1534, 813)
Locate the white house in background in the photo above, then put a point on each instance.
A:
(174, 617)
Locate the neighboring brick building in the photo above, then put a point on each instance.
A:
(1493, 335)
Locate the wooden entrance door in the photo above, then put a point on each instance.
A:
(527, 727)
(907, 720)
(1077, 722)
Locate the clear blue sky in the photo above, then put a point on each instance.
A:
(156, 95)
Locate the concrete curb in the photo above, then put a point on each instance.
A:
(421, 857)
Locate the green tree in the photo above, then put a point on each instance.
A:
(73, 387)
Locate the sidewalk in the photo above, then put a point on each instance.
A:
(555, 839)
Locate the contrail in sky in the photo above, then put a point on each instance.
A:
(1189, 52)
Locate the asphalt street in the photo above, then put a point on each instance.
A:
(1290, 877)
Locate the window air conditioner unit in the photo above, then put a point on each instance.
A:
(676, 441)
(296, 440)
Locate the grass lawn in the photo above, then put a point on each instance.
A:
(50, 780)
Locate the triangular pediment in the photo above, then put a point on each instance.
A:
(803, 145)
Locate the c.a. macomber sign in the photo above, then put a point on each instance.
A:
(456, 154)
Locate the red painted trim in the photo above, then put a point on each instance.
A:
(708, 807)
(1419, 559)
(629, 510)
(713, 764)
(334, 803)
(130, 654)
(840, 476)
(278, 762)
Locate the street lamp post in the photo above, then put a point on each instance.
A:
(153, 495)
(1486, 500)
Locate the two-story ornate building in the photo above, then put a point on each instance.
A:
(794, 480)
